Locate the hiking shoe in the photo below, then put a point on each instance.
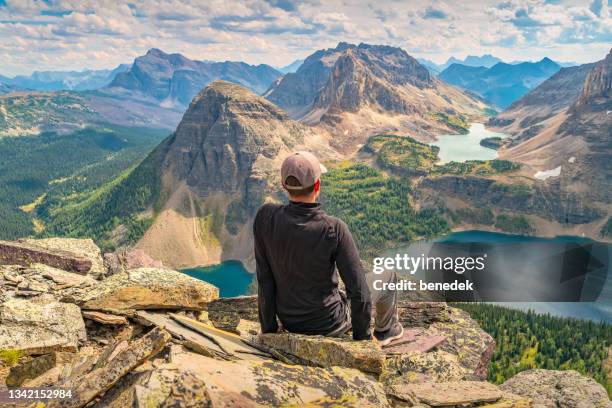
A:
(386, 337)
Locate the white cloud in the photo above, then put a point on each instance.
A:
(75, 34)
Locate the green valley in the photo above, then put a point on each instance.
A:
(378, 208)
(39, 173)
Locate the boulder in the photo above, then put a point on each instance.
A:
(558, 389)
(446, 394)
(102, 378)
(149, 288)
(40, 326)
(366, 356)
(49, 252)
(85, 248)
(272, 383)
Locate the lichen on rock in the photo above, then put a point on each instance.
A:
(366, 356)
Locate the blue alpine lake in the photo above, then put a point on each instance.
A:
(460, 148)
(230, 277)
(233, 279)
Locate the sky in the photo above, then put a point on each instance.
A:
(96, 34)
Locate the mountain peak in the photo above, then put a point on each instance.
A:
(156, 52)
(221, 92)
(344, 46)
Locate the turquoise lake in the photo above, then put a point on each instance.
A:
(234, 280)
(230, 277)
(466, 147)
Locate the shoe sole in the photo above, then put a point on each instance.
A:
(388, 341)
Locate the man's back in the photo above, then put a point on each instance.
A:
(297, 247)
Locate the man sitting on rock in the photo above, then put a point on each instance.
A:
(297, 249)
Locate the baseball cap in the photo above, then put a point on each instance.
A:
(305, 167)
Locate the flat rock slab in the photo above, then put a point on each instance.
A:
(270, 383)
(149, 288)
(104, 318)
(366, 356)
(448, 393)
(27, 253)
(419, 344)
(191, 339)
(40, 326)
(228, 342)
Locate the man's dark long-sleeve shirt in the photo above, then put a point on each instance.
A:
(297, 249)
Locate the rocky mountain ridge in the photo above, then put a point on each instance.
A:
(355, 91)
(573, 135)
(173, 80)
(89, 79)
(132, 335)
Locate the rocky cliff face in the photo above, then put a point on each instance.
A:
(173, 80)
(151, 337)
(355, 91)
(217, 169)
(295, 92)
(576, 138)
(549, 201)
(597, 89)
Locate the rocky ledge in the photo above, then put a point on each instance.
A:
(121, 333)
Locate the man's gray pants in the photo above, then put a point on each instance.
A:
(385, 301)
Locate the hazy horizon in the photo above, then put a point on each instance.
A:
(67, 35)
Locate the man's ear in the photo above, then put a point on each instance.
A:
(317, 186)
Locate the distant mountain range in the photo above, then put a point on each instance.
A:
(358, 90)
(5, 88)
(64, 80)
(172, 80)
(291, 67)
(152, 92)
(502, 83)
(486, 60)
